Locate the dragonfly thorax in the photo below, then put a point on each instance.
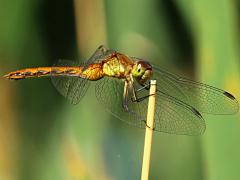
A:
(118, 66)
(113, 68)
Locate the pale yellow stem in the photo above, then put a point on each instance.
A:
(149, 131)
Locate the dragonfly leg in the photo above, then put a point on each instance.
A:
(141, 98)
(125, 95)
(145, 86)
(135, 98)
(148, 125)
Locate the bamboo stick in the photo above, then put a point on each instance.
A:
(149, 131)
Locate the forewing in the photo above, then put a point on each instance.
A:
(100, 54)
(205, 98)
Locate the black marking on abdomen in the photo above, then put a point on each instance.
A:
(28, 73)
(18, 74)
(41, 72)
(229, 95)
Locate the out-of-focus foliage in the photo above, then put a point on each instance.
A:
(43, 137)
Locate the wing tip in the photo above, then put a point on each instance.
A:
(234, 100)
(229, 95)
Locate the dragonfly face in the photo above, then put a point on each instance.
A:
(142, 71)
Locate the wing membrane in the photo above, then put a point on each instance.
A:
(205, 98)
(172, 116)
(71, 87)
(109, 92)
(176, 117)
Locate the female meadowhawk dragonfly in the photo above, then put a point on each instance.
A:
(122, 84)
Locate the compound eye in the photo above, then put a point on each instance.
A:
(139, 67)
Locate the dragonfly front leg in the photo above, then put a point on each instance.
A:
(125, 96)
(129, 86)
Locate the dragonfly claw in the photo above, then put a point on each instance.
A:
(148, 126)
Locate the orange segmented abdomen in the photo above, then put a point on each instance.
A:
(29, 73)
(92, 72)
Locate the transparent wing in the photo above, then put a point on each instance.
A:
(109, 92)
(175, 117)
(205, 98)
(100, 54)
(71, 87)
(172, 116)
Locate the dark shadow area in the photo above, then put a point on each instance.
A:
(42, 103)
(180, 32)
(58, 29)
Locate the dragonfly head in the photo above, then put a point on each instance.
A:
(142, 71)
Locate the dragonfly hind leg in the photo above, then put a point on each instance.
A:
(141, 98)
(135, 98)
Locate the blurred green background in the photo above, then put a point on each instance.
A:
(43, 137)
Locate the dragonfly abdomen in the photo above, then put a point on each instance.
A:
(43, 71)
(92, 72)
(29, 73)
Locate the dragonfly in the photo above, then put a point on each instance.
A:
(122, 87)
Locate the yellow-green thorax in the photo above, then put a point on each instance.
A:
(113, 68)
(118, 66)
